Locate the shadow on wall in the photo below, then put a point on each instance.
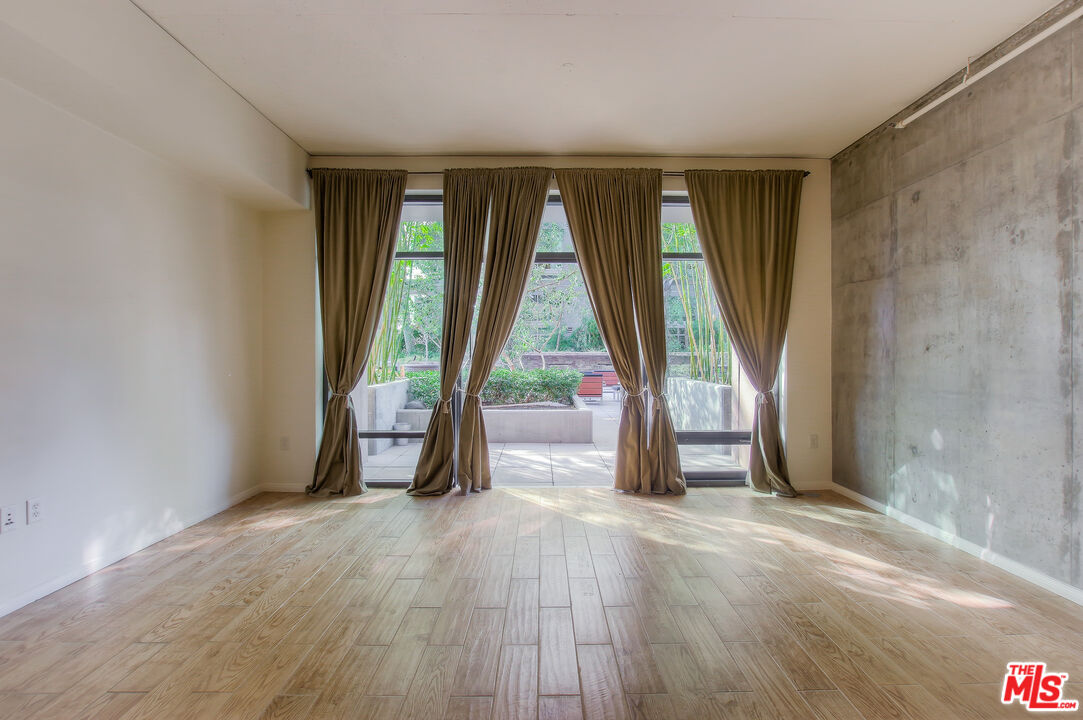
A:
(115, 533)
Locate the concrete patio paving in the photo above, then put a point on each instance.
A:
(548, 464)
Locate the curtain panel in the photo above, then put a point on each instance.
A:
(357, 223)
(466, 214)
(615, 221)
(645, 205)
(747, 226)
(518, 200)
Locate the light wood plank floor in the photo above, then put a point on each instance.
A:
(536, 603)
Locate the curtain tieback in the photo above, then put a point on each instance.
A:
(764, 397)
(447, 403)
(345, 395)
(629, 396)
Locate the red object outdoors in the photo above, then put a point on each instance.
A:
(591, 386)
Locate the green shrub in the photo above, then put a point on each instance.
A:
(505, 387)
(424, 386)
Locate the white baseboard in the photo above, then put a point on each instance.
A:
(1014, 567)
(282, 487)
(236, 498)
(92, 566)
(861, 499)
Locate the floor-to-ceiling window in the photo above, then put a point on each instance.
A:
(553, 401)
(395, 396)
(710, 401)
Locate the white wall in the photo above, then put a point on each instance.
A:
(806, 407)
(293, 365)
(131, 326)
(107, 62)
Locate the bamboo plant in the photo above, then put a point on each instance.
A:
(388, 345)
(707, 339)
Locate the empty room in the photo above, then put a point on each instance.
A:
(377, 359)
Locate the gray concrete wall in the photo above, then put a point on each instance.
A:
(582, 361)
(956, 353)
(383, 402)
(699, 405)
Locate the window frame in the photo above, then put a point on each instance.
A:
(684, 437)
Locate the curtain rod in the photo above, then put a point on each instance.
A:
(666, 173)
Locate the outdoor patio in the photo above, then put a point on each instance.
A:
(546, 464)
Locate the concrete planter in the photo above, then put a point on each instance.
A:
(384, 403)
(699, 405)
(399, 427)
(559, 425)
(416, 419)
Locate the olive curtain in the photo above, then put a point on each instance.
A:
(747, 227)
(466, 213)
(645, 207)
(357, 223)
(518, 199)
(615, 220)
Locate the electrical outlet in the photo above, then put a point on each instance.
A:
(33, 510)
(284, 443)
(9, 518)
(813, 441)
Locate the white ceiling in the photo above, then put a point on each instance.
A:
(626, 77)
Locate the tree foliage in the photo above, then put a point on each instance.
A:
(555, 308)
(555, 314)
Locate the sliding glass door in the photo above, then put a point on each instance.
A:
(396, 394)
(709, 401)
(553, 401)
